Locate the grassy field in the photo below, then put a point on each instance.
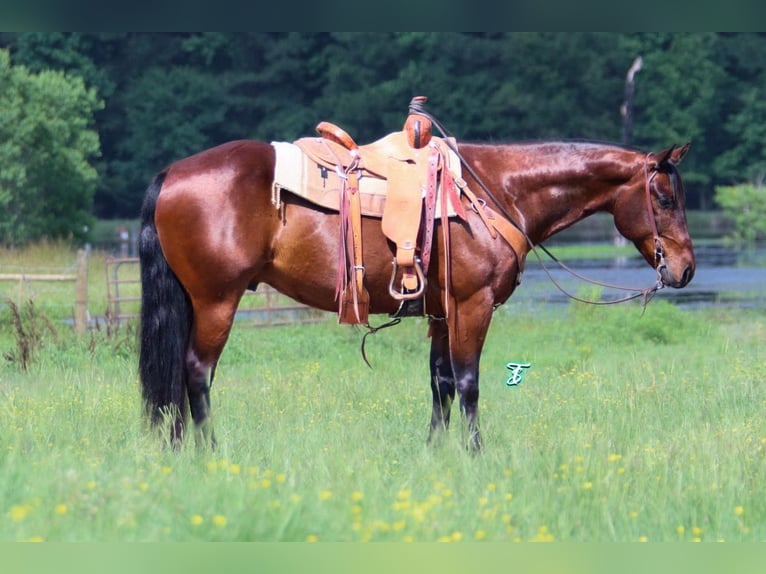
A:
(628, 427)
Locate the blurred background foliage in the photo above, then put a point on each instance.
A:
(90, 117)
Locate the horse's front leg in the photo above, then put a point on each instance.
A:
(442, 378)
(467, 325)
(467, 384)
(456, 345)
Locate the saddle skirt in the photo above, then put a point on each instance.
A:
(309, 168)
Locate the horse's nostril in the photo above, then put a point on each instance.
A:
(687, 275)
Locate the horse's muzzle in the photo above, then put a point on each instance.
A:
(676, 282)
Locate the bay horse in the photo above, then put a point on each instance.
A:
(210, 232)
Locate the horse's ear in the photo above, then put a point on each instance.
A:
(657, 159)
(678, 153)
(672, 155)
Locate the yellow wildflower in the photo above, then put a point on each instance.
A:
(19, 512)
(543, 535)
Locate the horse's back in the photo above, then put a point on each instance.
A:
(234, 159)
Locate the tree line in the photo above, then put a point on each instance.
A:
(90, 117)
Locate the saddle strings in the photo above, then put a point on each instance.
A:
(646, 293)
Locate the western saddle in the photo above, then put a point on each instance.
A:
(420, 174)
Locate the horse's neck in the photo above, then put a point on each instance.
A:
(550, 187)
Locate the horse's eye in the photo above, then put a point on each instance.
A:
(665, 201)
(666, 196)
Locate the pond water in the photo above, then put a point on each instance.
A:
(724, 276)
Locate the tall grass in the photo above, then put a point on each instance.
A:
(626, 428)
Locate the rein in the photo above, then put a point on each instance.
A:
(659, 255)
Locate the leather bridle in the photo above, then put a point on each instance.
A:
(659, 254)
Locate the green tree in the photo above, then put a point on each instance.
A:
(678, 100)
(170, 94)
(747, 159)
(745, 205)
(46, 146)
(556, 85)
(742, 153)
(65, 52)
(169, 114)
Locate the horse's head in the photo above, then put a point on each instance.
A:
(651, 212)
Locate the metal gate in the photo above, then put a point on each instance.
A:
(123, 289)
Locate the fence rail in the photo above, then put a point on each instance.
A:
(262, 308)
(79, 278)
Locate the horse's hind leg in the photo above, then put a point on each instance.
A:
(198, 390)
(212, 325)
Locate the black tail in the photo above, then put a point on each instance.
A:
(165, 324)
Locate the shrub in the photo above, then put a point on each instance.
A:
(745, 205)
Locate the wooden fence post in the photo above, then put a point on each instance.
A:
(81, 293)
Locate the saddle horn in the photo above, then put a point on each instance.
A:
(417, 127)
